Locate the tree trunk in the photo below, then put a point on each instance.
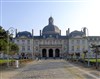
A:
(96, 61)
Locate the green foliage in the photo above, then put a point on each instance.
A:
(5, 61)
(13, 48)
(3, 33)
(92, 60)
(3, 39)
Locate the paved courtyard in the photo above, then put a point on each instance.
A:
(50, 69)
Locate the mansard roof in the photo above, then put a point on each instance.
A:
(24, 33)
(46, 37)
(94, 38)
(76, 33)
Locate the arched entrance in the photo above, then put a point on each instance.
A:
(44, 54)
(57, 53)
(50, 52)
(23, 55)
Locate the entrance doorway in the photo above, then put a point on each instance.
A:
(23, 56)
(57, 53)
(50, 52)
(44, 54)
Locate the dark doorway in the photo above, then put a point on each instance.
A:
(50, 53)
(44, 54)
(23, 56)
(57, 53)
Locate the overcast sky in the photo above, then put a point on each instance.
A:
(26, 15)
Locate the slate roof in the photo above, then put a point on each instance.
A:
(24, 33)
(94, 38)
(55, 37)
(50, 28)
(76, 33)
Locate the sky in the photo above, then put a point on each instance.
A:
(25, 15)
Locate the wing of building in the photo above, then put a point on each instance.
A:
(51, 44)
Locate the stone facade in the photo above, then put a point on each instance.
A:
(50, 42)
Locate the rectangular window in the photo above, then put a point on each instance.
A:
(23, 40)
(36, 42)
(28, 48)
(78, 41)
(78, 48)
(83, 41)
(83, 48)
(28, 41)
(72, 41)
(72, 48)
(23, 48)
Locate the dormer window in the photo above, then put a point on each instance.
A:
(23, 41)
(28, 35)
(43, 36)
(50, 36)
(56, 36)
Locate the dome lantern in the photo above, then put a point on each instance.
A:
(51, 20)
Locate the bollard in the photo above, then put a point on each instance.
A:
(17, 63)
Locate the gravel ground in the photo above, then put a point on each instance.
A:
(50, 69)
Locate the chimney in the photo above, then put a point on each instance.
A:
(40, 32)
(60, 32)
(32, 32)
(68, 30)
(84, 30)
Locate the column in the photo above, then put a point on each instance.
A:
(40, 52)
(60, 53)
(47, 52)
(53, 52)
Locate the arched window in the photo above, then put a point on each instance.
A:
(44, 53)
(57, 53)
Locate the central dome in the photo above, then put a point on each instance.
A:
(50, 29)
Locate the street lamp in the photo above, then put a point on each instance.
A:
(9, 32)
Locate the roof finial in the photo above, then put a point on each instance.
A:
(50, 19)
(50, 14)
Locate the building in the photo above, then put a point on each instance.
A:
(50, 42)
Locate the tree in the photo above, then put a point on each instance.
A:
(3, 39)
(96, 51)
(13, 48)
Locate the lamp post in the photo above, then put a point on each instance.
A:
(88, 48)
(9, 32)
